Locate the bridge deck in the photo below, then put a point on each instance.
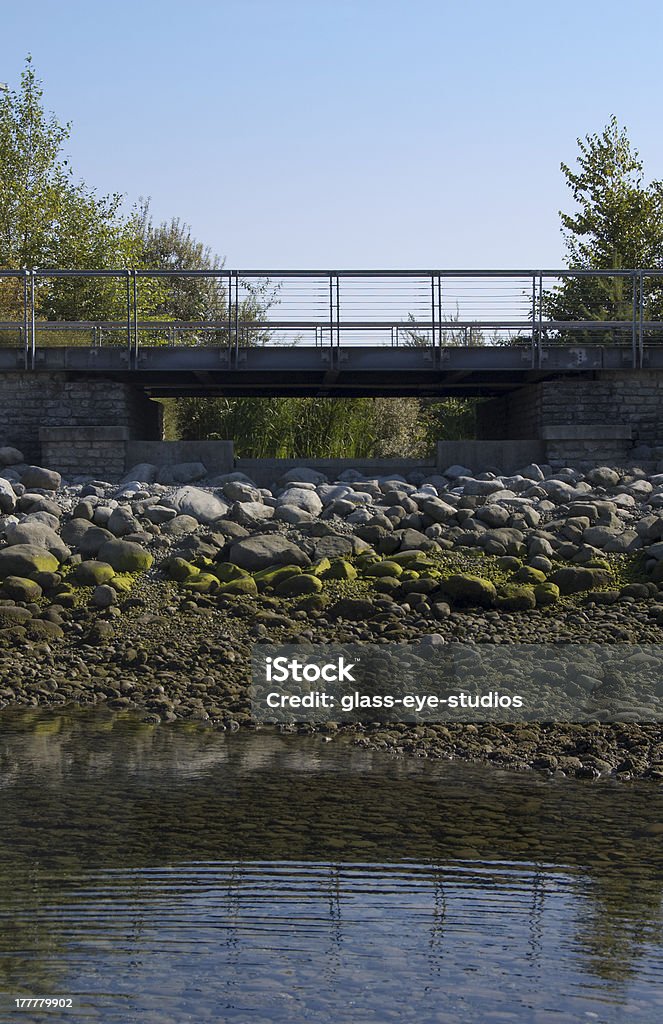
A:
(270, 370)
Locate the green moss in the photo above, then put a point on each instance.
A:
(516, 597)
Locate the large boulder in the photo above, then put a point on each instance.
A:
(182, 473)
(575, 580)
(263, 550)
(7, 496)
(122, 521)
(302, 498)
(26, 560)
(10, 456)
(465, 588)
(202, 505)
(143, 471)
(38, 535)
(125, 556)
(44, 479)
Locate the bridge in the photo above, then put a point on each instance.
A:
(87, 350)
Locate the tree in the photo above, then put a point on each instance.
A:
(47, 218)
(617, 224)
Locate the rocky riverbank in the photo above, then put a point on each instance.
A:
(149, 593)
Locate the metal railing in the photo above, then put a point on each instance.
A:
(420, 308)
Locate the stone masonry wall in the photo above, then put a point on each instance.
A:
(33, 404)
(613, 399)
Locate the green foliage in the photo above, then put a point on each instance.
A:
(617, 224)
(47, 218)
(306, 427)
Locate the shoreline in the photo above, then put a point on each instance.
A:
(145, 596)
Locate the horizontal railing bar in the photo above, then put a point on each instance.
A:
(276, 274)
(403, 325)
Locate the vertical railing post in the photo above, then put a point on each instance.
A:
(26, 346)
(33, 326)
(534, 321)
(539, 334)
(635, 317)
(641, 322)
(432, 309)
(331, 309)
(338, 311)
(236, 314)
(128, 283)
(230, 307)
(135, 292)
(439, 309)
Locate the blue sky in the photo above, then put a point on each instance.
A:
(346, 133)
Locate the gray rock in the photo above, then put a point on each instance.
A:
(263, 550)
(38, 535)
(533, 472)
(202, 505)
(7, 497)
(26, 560)
(302, 498)
(29, 502)
(159, 514)
(493, 515)
(45, 518)
(303, 474)
(104, 596)
(181, 473)
(121, 522)
(438, 510)
(453, 472)
(10, 456)
(237, 490)
(603, 476)
(293, 514)
(44, 479)
(180, 526)
(333, 546)
(145, 472)
(246, 513)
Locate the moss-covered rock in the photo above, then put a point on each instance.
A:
(92, 573)
(226, 572)
(387, 584)
(515, 597)
(25, 560)
(125, 556)
(202, 583)
(466, 588)
(18, 588)
(295, 586)
(387, 567)
(320, 567)
(122, 583)
(526, 574)
(546, 594)
(340, 569)
(276, 574)
(245, 585)
(179, 569)
(314, 603)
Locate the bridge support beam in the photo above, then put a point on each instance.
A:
(78, 426)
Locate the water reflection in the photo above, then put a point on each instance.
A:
(181, 874)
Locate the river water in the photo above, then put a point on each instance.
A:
(176, 874)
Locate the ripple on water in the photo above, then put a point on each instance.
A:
(173, 876)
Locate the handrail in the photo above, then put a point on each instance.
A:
(343, 306)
